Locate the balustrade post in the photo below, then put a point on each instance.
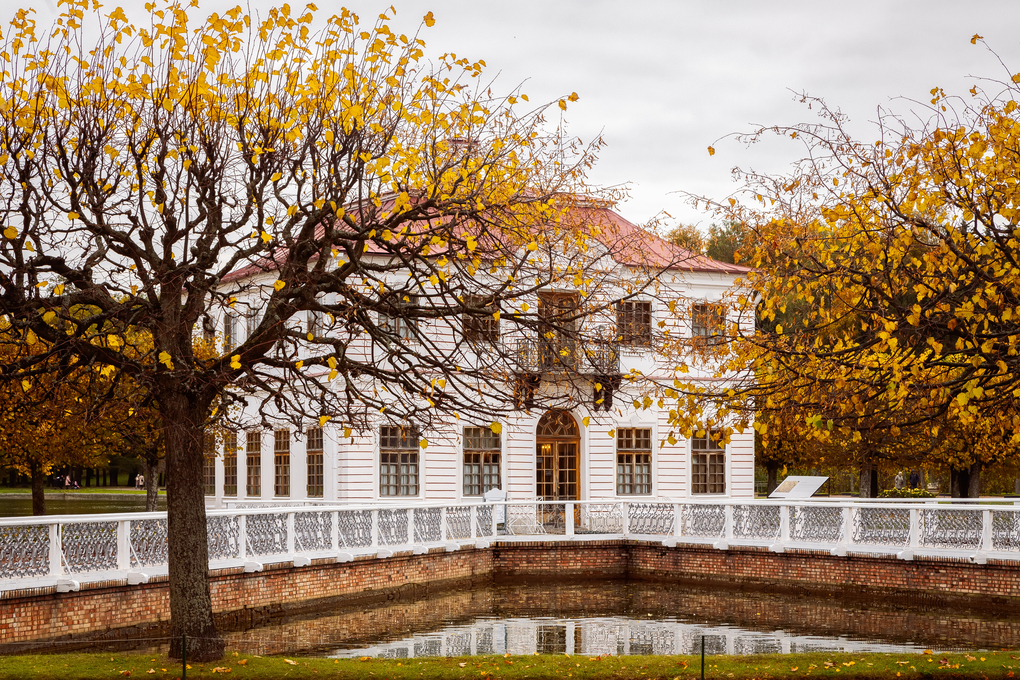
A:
(124, 545)
(334, 538)
(443, 534)
(290, 533)
(728, 522)
(784, 524)
(410, 526)
(474, 521)
(56, 553)
(915, 528)
(678, 521)
(568, 510)
(375, 527)
(986, 530)
(848, 525)
(242, 537)
(625, 518)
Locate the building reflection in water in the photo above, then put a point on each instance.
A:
(611, 635)
(626, 618)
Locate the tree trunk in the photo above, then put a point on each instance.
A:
(184, 418)
(865, 490)
(38, 488)
(150, 465)
(974, 482)
(874, 482)
(772, 471)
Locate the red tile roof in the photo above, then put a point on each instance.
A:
(629, 243)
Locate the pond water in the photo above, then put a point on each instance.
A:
(625, 618)
(73, 503)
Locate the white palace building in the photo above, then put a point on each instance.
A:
(577, 454)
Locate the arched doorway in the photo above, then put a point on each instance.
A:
(557, 443)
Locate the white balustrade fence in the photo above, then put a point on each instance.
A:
(64, 551)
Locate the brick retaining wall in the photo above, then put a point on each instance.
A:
(114, 610)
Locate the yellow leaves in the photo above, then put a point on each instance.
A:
(562, 105)
(573, 97)
(424, 444)
(279, 285)
(323, 420)
(496, 427)
(347, 432)
(299, 364)
(30, 337)
(276, 177)
(974, 38)
(496, 315)
(235, 362)
(166, 360)
(429, 20)
(585, 421)
(711, 151)
(266, 237)
(73, 216)
(11, 233)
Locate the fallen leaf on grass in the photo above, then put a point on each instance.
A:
(795, 668)
(221, 669)
(292, 663)
(970, 658)
(462, 664)
(151, 670)
(242, 662)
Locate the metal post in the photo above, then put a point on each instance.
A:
(702, 657)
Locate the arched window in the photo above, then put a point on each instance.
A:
(558, 424)
(556, 459)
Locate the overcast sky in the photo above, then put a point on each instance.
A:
(663, 80)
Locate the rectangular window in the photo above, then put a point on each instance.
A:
(708, 464)
(633, 461)
(252, 323)
(230, 464)
(209, 464)
(634, 323)
(398, 461)
(313, 453)
(402, 327)
(253, 463)
(557, 325)
(229, 331)
(707, 320)
(281, 456)
(482, 453)
(480, 326)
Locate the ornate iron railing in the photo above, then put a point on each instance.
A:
(588, 357)
(63, 551)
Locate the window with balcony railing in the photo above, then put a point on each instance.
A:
(557, 316)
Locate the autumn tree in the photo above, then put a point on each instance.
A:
(901, 253)
(334, 189)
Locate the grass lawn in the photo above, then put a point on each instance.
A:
(979, 665)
